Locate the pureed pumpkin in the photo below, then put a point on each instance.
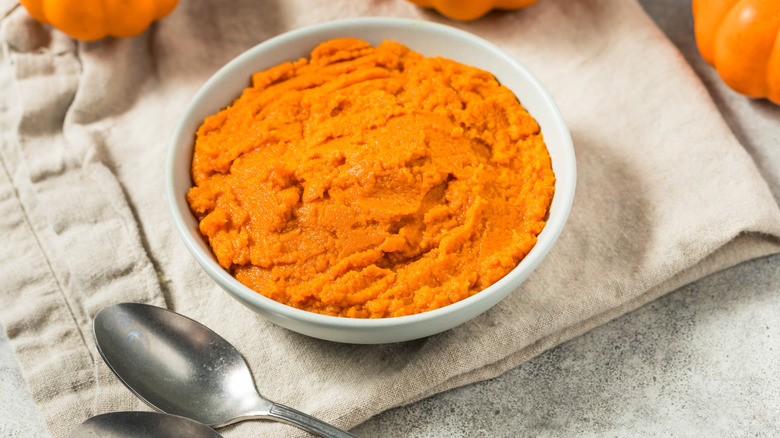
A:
(371, 182)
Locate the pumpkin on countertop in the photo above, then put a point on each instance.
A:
(91, 20)
(741, 40)
(467, 10)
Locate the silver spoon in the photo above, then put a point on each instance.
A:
(179, 366)
(141, 425)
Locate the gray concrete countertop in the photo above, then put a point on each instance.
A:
(701, 361)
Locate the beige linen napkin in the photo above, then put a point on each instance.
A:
(665, 196)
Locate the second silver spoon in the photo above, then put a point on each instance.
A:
(141, 425)
(179, 366)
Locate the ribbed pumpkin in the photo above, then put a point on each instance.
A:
(467, 10)
(741, 39)
(91, 20)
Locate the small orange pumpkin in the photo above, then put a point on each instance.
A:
(467, 10)
(741, 39)
(91, 20)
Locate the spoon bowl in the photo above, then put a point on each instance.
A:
(141, 425)
(179, 366)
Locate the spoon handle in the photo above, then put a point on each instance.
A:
(306, 422)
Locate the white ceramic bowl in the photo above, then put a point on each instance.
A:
(430, 39)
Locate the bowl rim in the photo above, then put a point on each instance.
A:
(264, 305)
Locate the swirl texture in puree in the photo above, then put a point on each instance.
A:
(371, 182)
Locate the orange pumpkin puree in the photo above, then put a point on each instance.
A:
(371, 182)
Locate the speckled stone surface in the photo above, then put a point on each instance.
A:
(701, 361)
(18, 415)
